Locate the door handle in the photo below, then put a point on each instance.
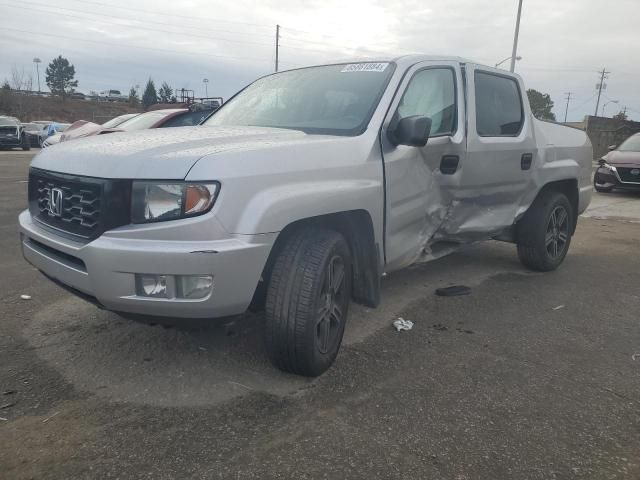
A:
(449, 164)
(525, 161)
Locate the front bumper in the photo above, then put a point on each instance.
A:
(105, 268)
(10, 142)
(607, 178)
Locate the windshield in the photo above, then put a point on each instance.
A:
(332, 99)
(143, 121)
(631, 144)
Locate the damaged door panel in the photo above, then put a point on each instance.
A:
(418, 198)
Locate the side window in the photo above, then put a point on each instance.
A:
(432, 93)
(498, 106)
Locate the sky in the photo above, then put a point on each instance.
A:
(117, 44)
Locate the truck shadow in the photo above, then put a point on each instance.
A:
(197, 363)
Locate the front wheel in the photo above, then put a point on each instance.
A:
(25, 143)
(601, 188)
(544, 233)
(307, 301)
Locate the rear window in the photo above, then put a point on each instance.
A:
(499, 110)
(143, 121)
(187, 119)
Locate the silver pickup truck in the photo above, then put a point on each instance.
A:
(302, 191)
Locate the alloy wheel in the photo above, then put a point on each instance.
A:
(557, 233)
(330, 312)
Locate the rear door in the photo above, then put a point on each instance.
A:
(501, 155)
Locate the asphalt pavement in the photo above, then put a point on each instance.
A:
(532, 376)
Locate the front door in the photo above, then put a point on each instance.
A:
(416, 204)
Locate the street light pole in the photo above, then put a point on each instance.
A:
(37, 62)
(607, 103)
(502, 61)
(206, 89)
(277, 46)
(515, 39)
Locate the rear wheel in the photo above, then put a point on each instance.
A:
(307, 301)
(544, 233)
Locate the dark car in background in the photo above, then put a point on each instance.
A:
(13, 134)
(620, 168)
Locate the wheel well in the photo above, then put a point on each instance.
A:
(569, 188)
(357, 228)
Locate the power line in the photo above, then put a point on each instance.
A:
(573, 109)
(181, 52)
(137, 27)
(146, 21)
(173, 15)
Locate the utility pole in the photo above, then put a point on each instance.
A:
(566, 109)
(277, 44)
(601, 85)
(515, 39)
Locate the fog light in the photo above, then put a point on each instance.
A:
(194, 286)
(151, 285)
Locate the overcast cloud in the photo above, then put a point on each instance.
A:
(120, 44)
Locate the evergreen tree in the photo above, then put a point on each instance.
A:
(60, 74)
(541, 105)
(149, 97)
(133, 97)
(165, 93)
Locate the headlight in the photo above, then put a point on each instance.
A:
(155, 202)
(604, 164)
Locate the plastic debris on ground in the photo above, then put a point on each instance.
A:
(558, 307)
(25, 297)
(635, 356)
(402, 324)
(453, 291)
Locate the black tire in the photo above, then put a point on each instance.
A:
(305, 310)
(25, 143)
(600, 188)
(544, 233)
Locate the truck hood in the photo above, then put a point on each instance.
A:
(623, 159)
(164, 153)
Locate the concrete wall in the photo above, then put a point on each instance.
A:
(604, 131)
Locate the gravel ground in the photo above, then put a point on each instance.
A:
(530, 377)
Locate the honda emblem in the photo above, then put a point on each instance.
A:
(55, 202)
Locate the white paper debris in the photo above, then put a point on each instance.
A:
(25, 297)
(402, 324)
(558, 307)
(635, 356)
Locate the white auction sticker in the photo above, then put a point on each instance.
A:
(365, 67)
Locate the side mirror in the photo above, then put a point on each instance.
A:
(412, 131)
(611, 147)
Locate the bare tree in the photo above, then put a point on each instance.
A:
(28, 83)
(18, 77)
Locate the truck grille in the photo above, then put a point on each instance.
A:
(80, 206)
(626, 175)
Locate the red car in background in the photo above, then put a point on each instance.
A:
(166, 117)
